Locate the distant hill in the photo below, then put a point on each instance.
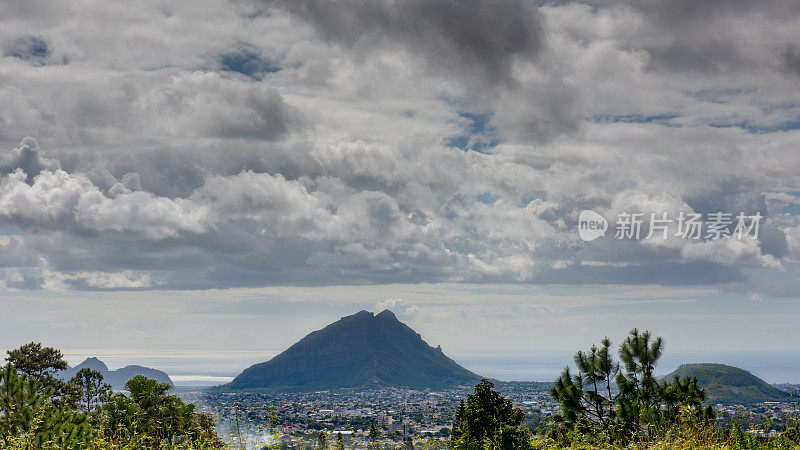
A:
(728, 384)
(116, 378)
(361, 350)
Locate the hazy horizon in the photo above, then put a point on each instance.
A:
(521, 178)
(187, 369)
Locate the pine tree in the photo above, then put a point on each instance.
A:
(339, 442)
(460, 412)
(488, 420)
(637, 404)
(586, 398)
(26, 411)
(42, 364)
(38, 362)
(92, 389)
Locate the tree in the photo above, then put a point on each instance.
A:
(20, 398)
(148, 417)
(92, 389)
(29, 420)
(42, 364)
(636, 404)
(160, 417)
(640, 393)
(373, 437)
(339, 442)
(586, 398)
(373, 433)
(120, 417)
(36, 361)
(489, 421)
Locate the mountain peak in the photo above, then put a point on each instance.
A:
(94, 364)
(360, 350)
(386, 314)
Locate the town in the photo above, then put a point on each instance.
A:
(399, 415)
(408, 416)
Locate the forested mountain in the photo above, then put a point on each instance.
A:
(728, 384)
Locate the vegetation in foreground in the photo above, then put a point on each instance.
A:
(609, 404)
(39, 411)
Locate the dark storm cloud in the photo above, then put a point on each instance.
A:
(455, 37)
(496, 52)
(677, 12)
(704, 36)
(773, 241)
(791, 59)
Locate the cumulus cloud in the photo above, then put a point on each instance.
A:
(401, 307)
(26, 158)
(218, 144)
(57, 200)
(730, 251)
(214, 107)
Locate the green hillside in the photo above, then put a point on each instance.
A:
(728, 384)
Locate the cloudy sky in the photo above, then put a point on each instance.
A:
(222, 176)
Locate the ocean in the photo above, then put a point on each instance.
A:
(212, 367)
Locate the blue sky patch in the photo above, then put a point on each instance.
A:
(791, 209)
(719, 95)
(663, 119)
(10, 230)
(248, 62)
(30, 48)
(789, 125)
(479, 135)
(487, 198)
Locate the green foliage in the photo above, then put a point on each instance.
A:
(688, 433)
(151, 416)
(339, 442)
(727, 384)
(612, 402)
(41, 364)
(92, 389)
(38, 362)
(29, 419)
(373, 433)
(488, 421)
(148, 417)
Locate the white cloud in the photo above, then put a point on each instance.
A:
(217, 144)
(730, 252)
